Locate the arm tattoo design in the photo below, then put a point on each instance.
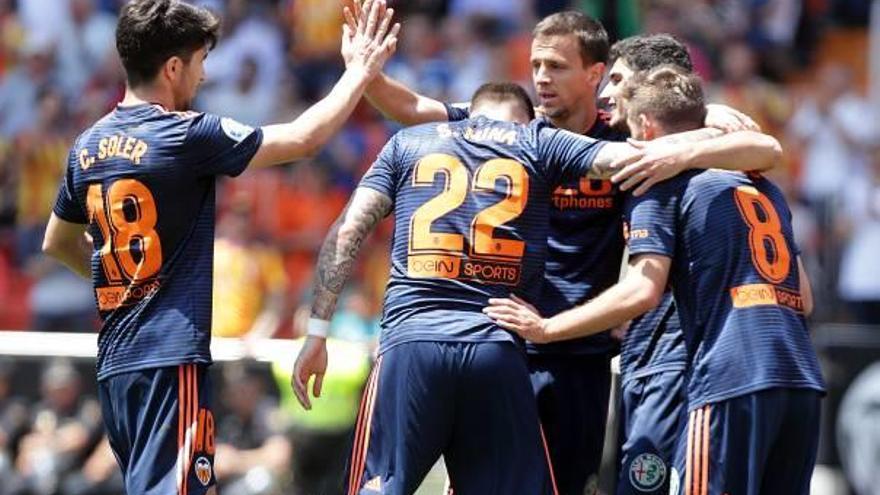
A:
(610, 153)
(341, 246)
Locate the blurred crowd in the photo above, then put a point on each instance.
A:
(59, 73)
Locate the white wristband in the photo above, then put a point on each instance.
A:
(318, 328)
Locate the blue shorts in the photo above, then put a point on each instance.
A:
(572, 394)
(653, 413)
(759, 443)
(469, 402)
(161, 428)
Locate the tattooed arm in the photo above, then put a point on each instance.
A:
(341, 246)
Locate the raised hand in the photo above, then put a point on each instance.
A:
(367, 42)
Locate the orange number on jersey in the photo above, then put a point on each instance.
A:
(485, 223)
(95, 205)
(765, 230)
(127, 219)
(454, 191)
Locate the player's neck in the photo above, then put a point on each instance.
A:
(147, 94)
(580, 120)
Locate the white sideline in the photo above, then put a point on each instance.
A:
(85, 346)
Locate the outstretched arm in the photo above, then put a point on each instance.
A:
(370, 48)
(638, 292)
(395, 100)
(335, 261)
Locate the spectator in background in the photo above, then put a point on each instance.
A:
(13, 424)
(314, 44)
(512, 15)
(244, 100)
(82, 45)
(250, 31)
(66, 428)
(249, 280)
(20, 88)
(476, 51)
(11, 35)
(741, 87)
(419, 63)
(832, 127)
(44, 16)
(100, 474)
(304, 209)
(39, 155)
(859, 280)
(253, 454)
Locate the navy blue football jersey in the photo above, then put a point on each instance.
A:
(143, 179)
(653, 343)
(735, 279)
(584, 245)
(471, 205)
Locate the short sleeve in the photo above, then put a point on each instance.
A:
(651, 220)
(66, 206)
(382, 176)
(457, 111)
(220, 145)
(567, 156)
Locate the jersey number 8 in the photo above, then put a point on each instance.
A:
(770, 253)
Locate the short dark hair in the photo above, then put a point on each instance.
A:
(591, 35)
(668, 93)
(647, 52)
(504, 91)
(149, 32)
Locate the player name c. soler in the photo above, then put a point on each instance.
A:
(118, 145)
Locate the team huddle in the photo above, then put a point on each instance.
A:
(509, 234)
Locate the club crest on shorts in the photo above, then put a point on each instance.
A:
(203, 470)
(647, 472)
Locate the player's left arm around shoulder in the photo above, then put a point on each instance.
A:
(342, 245)
(66, 242)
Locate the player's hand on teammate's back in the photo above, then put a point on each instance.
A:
(366, 39)
(312, 360)
(518, 316)
(729, 119)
